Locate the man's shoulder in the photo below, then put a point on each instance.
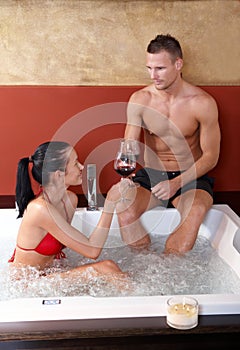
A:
(197, 92)
(142, 94)
(201, 101)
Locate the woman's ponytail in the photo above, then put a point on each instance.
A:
(24, 192)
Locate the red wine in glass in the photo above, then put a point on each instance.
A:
(125, 169)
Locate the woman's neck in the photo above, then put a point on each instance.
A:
(53, 195)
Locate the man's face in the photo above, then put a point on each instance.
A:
(163, 71)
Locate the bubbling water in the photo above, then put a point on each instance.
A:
(200, 271)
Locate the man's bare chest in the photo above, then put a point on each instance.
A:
(169, 122)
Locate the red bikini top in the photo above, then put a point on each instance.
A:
(49, 245)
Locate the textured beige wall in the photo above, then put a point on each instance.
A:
(74, 42)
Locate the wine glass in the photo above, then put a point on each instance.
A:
(126, 159)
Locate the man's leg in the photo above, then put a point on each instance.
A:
(129, 212)
(193, 206)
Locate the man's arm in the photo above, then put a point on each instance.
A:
(207, 116)
(134, 119)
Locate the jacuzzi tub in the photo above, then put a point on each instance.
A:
(221, 226)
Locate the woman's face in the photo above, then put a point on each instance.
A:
(73, 174)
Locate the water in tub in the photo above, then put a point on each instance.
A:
(201, 271)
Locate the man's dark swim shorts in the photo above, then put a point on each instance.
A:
(148, 178)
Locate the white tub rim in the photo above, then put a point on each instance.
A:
(32, 309)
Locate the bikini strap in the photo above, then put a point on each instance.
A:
(12, 257)
(39, 191)
(65, 209)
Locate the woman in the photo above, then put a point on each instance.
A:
(45, 228)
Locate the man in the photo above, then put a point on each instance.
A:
(182, 143)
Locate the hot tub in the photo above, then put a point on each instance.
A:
(221, 227)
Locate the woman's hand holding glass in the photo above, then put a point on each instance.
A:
(115, 195)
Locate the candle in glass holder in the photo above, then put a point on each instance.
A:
(182, 312)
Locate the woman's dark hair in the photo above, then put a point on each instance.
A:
(48, 157)
(165, 43)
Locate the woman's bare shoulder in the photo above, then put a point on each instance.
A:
(37, 205)
(37, 211)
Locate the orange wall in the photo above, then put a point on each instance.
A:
(31, 115)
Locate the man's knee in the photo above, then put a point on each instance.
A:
(200, 208)
(132, 208)
(127, 216)
(194, 205)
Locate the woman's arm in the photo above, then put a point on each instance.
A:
(52, 221)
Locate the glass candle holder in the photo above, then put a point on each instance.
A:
(182, 312)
